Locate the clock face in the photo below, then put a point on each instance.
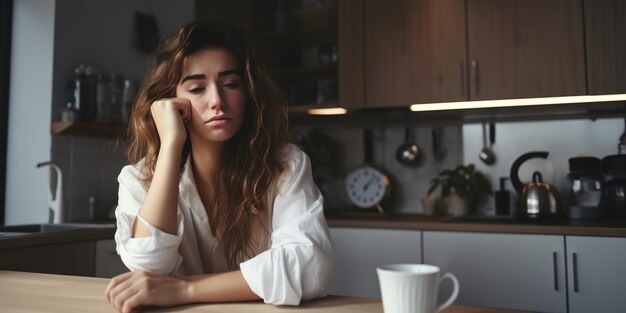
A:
(366, 186)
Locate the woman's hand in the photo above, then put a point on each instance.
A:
(170, 116)
(129, 291)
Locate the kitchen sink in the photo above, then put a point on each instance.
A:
(20, 230)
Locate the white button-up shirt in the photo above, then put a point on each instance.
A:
(294, 256)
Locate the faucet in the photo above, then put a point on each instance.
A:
(55, 202)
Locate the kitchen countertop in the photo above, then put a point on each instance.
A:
(56, 237)
(33, 292)
(614, 227)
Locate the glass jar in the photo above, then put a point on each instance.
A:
(69, 114)
(103, 99)
(128, 99)
(116, 94)
(585, 181)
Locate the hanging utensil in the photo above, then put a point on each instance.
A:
(486, 155)
(408, 153)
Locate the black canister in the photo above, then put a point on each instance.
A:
(503, 199)
(613, 199)
(585, 187)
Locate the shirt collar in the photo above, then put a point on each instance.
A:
(188, 191)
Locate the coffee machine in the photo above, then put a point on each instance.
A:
(613, 199)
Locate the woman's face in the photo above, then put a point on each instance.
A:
(212, 80)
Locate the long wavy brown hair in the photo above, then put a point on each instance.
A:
(252, 162)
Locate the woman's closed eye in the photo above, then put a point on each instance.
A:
(196, 90)
(231, 85)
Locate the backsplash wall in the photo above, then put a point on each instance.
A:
(90, 168)
(91, 165)
(409, 185)
(563, 139)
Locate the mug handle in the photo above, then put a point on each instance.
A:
(454, 294)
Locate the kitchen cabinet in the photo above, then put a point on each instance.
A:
(424, 51)
(525, 48)
(297, 39)
(76, 258)
(414, 52)
(108, 262)
(605, 26)
(358, 251)
(596, 269)
(520, 272)
(351, 55)
(84, 258)
(300, 43)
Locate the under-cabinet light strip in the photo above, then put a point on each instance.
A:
(485, 104)
(327, 111)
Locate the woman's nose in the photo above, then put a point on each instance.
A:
(216, 104)
(215, 100)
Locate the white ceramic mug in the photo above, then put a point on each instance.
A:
(413, 288)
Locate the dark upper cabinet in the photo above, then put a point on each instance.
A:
(297, 40)
(605, 26)
(351, 55)
(396, 53)
(423, 51)
(414, 52)
(525, 48)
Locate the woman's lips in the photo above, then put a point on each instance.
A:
(218, 121)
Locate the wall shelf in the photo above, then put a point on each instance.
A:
(87, 129)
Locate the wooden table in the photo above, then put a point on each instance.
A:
(22, 292)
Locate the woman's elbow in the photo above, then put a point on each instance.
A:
(157, 265)
(319, 275)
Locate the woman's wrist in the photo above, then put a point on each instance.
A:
(218, 287)
(171, 146)
(188, 294)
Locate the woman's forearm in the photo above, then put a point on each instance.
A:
(221, 287)
(161, 203)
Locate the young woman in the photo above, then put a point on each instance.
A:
(216, 205)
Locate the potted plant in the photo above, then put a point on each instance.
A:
(464, 181)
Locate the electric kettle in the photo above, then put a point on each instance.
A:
(537, 199)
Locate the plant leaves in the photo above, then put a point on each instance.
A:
(464, 180)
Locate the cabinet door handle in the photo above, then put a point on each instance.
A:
(461, 78)
(575, 269)
(556, 272)
(476, 76)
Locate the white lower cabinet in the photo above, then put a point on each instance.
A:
(511, 271)
(108, 262)
(358, 251)
(596, 274)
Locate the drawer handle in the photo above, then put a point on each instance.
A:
(476, 77)
(575, 269)
(556, 273)
(461, 79)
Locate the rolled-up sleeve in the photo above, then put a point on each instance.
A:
(299, 264)
(157, 253)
